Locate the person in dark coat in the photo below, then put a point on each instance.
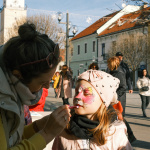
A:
(126, 70)
(113, 64)
(116, 71)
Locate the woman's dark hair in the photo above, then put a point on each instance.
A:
(142, 73)
(29, 46)
(92, 65)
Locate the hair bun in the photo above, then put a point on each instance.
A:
(27, 31)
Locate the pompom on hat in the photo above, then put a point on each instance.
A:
(104, 83)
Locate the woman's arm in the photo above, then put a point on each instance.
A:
(41, 132)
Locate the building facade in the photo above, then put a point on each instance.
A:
(106, 31)
(84, 55)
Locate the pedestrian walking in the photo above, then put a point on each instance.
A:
(143, 84)
(113, 64)
(65, 85)
(93, 124)
(116, 71)
(56, 80)
(126, 70)
(27, 63)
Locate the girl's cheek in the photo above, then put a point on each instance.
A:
(88, 99)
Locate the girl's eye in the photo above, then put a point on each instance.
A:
(86, 94)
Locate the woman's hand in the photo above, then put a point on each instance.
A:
(54, 123)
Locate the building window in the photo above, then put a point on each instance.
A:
(103, 49)
(85, 47)
(78, 49)
(71, 51)
(94, 46)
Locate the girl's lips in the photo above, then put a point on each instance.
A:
(79, 105)
(72, 107)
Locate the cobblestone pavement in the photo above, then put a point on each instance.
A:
(139, 124)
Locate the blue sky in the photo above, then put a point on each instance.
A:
(80, 11)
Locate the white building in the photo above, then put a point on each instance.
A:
(9, 13)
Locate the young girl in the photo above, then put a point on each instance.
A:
(94, 124)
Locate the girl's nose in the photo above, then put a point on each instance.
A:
(79, 96)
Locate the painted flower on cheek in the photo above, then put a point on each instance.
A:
(88, 95)
(85, 94)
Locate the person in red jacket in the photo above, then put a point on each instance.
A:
(40, 105)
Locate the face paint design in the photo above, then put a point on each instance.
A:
(84, 94)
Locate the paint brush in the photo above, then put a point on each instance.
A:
(72, 107)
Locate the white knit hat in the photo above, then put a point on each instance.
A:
(104, 83)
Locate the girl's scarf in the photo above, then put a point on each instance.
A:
(79, 126)
(22, 92)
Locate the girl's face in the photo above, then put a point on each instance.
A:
(43, 81)
(86, 98)
(144, 72)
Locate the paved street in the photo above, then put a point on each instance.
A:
(139, 124)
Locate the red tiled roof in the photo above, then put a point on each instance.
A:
(127, 22)
(126, 25)
(92, 28)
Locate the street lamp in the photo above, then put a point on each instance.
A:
(68, 27)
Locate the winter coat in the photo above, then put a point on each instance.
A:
(116, 141)
(141, 82)
(121, 91)
(65, 86)
(41, 103)
(126, 70)
(13, 96)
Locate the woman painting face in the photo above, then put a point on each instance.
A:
(86, 98)
(43, 81)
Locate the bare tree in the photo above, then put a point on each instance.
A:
(135, 49)
(45, 24)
